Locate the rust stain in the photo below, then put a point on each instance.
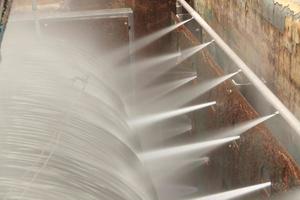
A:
(271, 53)
(293, 5)
(258, 156)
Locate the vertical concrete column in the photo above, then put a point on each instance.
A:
(151, 15)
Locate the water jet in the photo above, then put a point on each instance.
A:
(194, 91)
(152, 118)
(150, 94)
(77, 124)
(141, 43)
(241, 128)
(182, 56)
(175, 151)
(235, 193)
(191, 51)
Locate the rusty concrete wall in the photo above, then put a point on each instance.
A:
(266, 35)
(257, 157)
(150, 16)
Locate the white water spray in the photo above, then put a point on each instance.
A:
(183, 55)
(146, 96)
(191, 51)
(143, 42)
(152, 118)
(241, 128)
(235, 193)
(173, 151)
(173, 101)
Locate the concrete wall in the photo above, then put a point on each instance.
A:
(257, 157)
(266, 35)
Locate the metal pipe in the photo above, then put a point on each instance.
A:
(74, 15)
(260, 86)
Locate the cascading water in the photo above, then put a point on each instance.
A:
(63, 130)
(68, 132)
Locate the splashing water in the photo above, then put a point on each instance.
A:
(150, 66)
(240, 128)
(63, 131)
(141, 43)
(173, 151)
(156, 135)
(176, 129)
(191, 51)
(166, 67)
(175, 191)
(150, 94)
(121, 74)
(177, 164)
(174, 169)
(150, 119)
(235, 193)
(147, 64)
(173, 101)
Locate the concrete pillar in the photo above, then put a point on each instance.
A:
(150, 16)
